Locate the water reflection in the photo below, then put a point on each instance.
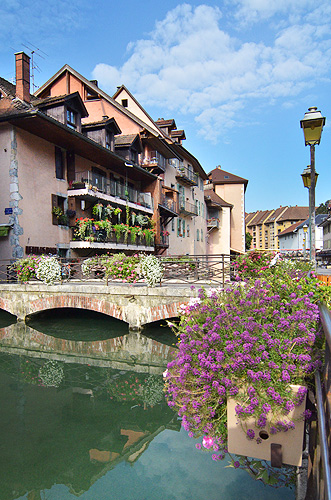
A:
(89, 419)
(71, 423)
(124, 352)
(77, 324)
(6, 319)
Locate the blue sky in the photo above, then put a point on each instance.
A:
(237, 75)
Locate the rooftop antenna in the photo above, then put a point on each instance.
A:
(34, 66)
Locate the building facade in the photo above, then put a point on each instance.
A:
(265, 225)
(71, 152)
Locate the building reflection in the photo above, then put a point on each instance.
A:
(69, 419)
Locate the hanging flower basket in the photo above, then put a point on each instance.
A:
(254, 439)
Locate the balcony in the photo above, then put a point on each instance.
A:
(155, 162)
(187, 208)
(98, 240)
(163, 240)
(186, 175)
(213, 223)
(168, 203)
(90, 185)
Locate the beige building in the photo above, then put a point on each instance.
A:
(265, 225)
(225, 199)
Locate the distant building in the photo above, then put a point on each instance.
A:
(295, 239)
(265, 225)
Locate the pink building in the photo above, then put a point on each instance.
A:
(71, 152)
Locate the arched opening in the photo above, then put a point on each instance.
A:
(77, 324)
(161, 331)
(6, 319)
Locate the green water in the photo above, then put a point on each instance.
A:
(76, 422)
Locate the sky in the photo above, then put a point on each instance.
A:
(236, 75)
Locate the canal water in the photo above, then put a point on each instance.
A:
(83, 415)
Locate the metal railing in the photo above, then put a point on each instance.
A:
(155, 159)
(178, 269)
(100, 236)
(213, 223)
(187, 174)
(186, 207)
(169, 203)
(323, 405)
(97, 182)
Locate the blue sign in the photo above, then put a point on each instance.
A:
(8, 211)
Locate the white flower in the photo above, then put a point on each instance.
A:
(48, 270)
(151, 269)
(51, 374)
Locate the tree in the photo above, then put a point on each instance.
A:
(248, 241)
(323, 208)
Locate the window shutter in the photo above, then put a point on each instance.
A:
(59, 170)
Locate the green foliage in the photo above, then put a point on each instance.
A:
(26, 268)
(284, 276)
(248, 241)
(122, 267)
(323, 208)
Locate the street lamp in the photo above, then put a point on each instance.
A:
(312, 124)
(305, 229)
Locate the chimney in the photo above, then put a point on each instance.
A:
(22, 76)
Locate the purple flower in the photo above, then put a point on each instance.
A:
(250, 434)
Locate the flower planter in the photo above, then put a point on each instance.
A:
(291, 441)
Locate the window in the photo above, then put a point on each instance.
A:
(59, 209)
(109, 141)
(124, 103)
(183, 225)
(172, 224)
(91, 95)
(71, 119)
(201, 235)
(188, 230)
(179, 227)
(59, 163)
(198, 235)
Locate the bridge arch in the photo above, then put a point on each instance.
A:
(76, 302)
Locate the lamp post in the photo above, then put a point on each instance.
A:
(312, 124)
(306, 179)
(305, 229)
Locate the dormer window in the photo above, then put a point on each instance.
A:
(71, 119)
(109, 141)
(91, 95)
(124, 103)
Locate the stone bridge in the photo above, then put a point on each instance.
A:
(136, 305)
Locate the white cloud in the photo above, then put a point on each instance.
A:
(255, 10)
(191, 64)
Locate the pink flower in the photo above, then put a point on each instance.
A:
(207, 442)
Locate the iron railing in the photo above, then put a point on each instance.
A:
(187, 175)
(178, 269)
(186, 207)
(169, 203)
(100, 183)
(323, 405)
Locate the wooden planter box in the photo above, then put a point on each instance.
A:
(291, 441)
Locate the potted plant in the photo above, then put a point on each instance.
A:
(248, 346)
(118, 212)
(97, 210)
